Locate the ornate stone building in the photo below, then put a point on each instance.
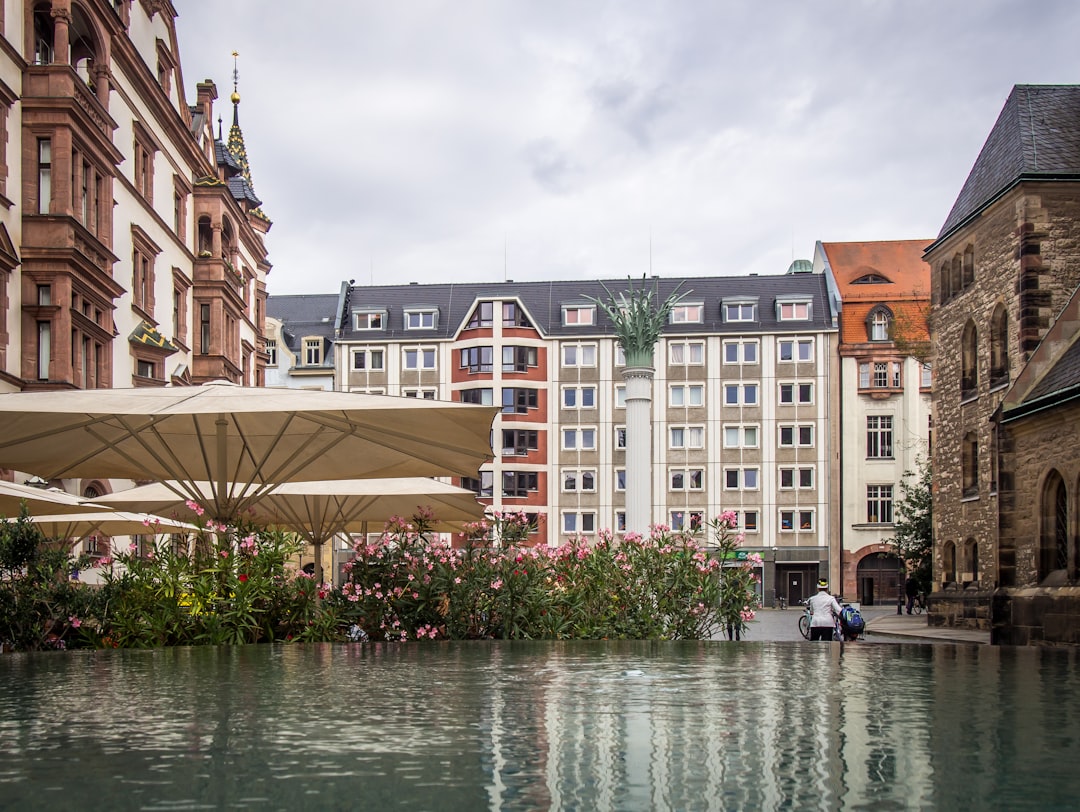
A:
(131, 239)
(1003, 267)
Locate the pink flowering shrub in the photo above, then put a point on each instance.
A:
(665, 586)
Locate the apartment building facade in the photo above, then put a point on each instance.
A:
(741, 399)
(885, 407)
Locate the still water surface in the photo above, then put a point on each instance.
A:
(522, 726)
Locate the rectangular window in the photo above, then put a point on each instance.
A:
(579, 439)
(802, 520)
(44, 189)
(579, 355)
(879, 437)
(620, 521)
(579, 523)
(686, 353)
(879, 504)
(518, 442)
(800, 477)
(477, 359)
(686, 520)
(926, 377)
(579, 481)
(745, 394)
(791, 393)
(688, 314)
(271, 352)
(686, 395)
(687, 436)
(481, 397)
(513, 315)
(482, 486)
(517, 400)
(793, 311)
(518, 484)
(44, 349)
(740, 311)
(144, 369)
(313, 352)
(686, 479)
(579, 397)
(204, 329)
(620, 396)
(423, 394)
(579, 315)
(740, 437)
(518, 359)
(419, 357)
(792, 349)
(482, 316)
(801, 435)
(369, 321)
(420, 319)
(740, 352)
(749, 521)
(620, 479)
(620, 436)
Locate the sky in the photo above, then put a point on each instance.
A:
(483, 140)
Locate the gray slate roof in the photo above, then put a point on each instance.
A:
(543, 302)
(1036, 137)
(303, 315)
(1065, 374)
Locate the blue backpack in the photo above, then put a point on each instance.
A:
(852, 621)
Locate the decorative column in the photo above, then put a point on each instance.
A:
(639, 381)
(638, 320)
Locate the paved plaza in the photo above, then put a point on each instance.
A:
(883, 625)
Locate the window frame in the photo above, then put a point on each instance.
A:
(421, 315)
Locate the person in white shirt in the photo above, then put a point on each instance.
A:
(824, 611)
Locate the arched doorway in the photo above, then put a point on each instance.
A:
(878, 577)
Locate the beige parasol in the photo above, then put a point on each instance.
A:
(77, 526)
(39, 501)
(240, 439)
(320, 510)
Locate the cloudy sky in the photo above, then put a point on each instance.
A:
(477, 140)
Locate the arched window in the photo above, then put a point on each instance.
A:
(1053, 533)
(948, 562)
(943, 281)
(969, 361)
(969, 267)
(970, 569)
(879, 324)
(999, 347)
(206, 236)
(956, 275)
(970, 465)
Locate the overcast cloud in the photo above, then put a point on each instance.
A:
(560, 139)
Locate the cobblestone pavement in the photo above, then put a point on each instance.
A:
(783, 624)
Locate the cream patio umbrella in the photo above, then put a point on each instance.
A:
(320, 510)
(242, 440)
(39, 501)
(77, 526)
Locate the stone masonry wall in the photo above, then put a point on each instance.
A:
(1027, 257)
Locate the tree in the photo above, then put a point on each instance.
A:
(914, 539)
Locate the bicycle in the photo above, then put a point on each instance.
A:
(919, 604)
(804, 620)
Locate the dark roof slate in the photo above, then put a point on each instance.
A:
(303, 315)
(1036, 137)
(1064, 374)
(543, 302)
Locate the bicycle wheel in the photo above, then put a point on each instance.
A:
(804, 626)
(918, 608)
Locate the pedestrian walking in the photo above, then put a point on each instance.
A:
(824, 613)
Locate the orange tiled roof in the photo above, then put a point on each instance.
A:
(906, 292)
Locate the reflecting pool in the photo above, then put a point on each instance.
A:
(523, 726)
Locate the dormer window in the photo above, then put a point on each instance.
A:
(739, 310)
(425, 319)
(369, 320)
(313, 349)
(879, 324)
(578, 315)
(793, 309)
(483, 315)
(872, 279)
(688, 314)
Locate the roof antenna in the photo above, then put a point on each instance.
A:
(506, 270)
